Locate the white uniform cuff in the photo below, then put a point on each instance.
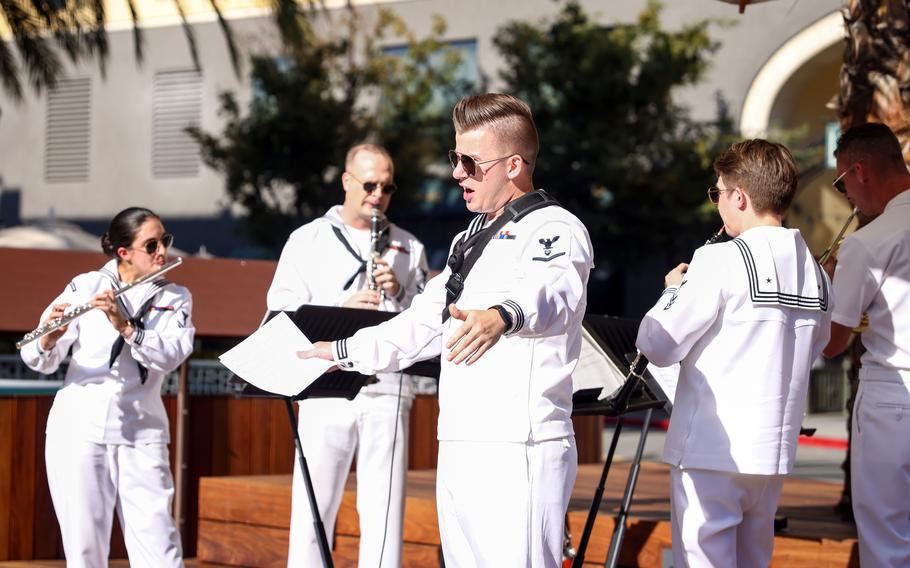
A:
(340, 354)
(137, 337)
(518, 316)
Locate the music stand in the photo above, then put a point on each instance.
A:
(604, 367)
(327, 323)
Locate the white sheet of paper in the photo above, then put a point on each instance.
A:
(267, 359)
(666, 377)
(595, 369)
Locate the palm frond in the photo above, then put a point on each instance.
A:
(138, 38)
(9, 73)
(228, 37)
(875, 77)
(190, 34)
(40, 61)
(96, 39)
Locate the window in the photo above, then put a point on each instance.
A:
(177, 104)
(466, 74)
(66, 151)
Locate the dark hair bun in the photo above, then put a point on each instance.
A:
(123, 229)
(106, 247)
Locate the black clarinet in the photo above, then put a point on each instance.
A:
(720, 236)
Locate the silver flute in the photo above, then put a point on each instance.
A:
(377, 222)
(54, 324)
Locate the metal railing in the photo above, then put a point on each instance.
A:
(205, 377)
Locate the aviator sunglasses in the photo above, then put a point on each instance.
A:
(714, 194)
(151, 246)
(469, 164)
(370, 186)
(838, 182)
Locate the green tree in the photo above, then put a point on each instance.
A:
(282, 157)
(615, 148)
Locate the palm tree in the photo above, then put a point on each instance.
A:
(44, 32)
(875, 77)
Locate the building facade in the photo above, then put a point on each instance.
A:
(101, 142)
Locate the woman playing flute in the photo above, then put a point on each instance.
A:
(107, 432)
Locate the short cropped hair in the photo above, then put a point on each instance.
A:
(371, 149)
(509, 117)
(870, 141)
(765, 170)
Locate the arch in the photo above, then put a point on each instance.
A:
(782, 64)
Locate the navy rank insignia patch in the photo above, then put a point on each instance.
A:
(548, 249)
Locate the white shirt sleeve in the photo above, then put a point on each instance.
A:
(412, 283)
(289, 289)
(683, 314)
(413, 335)
(555, 277)
(163, 347)
(47, 362)
(855, 284)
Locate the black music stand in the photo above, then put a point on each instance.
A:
(327, 323)
(615, 340)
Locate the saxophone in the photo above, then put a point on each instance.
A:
(831, 252)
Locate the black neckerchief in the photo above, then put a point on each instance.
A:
(138, 324)
(362, 267)
(135, 320)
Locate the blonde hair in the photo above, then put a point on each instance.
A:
(370, 149)
(508, 117)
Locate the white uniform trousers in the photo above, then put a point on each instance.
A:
(722, 519)
(331, 431)
(88, 481)
(503, 504)
(880, 470)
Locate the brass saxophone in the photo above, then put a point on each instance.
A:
(377, 224)
(56, 323)
(835, 244)
(831, 252)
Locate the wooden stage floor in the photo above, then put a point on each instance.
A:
(244, 520)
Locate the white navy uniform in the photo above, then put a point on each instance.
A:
(107, 432)
(746, 322)
(873, 277)
(315, 267)
(507, 457)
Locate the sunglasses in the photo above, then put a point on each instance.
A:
(469, 164)
(838, 182)
(714, 194)
(151, 247)
(371, 186)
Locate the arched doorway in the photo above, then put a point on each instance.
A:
(788, 101)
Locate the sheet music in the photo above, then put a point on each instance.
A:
(267, 359)
(595, 369)
(666, 377)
